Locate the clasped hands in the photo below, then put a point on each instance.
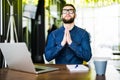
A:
(67, 38)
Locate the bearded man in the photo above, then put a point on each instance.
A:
(69, 44)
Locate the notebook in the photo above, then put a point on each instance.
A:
(79, 68)
(18, 57)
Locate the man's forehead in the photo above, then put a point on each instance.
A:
(68, 7)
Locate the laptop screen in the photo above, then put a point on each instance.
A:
(18, 57)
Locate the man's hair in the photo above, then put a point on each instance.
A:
(69, 5)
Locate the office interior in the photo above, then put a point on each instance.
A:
(33, 19)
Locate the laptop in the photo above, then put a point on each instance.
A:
(18, 57)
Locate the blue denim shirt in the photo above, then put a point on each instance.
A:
(75, 53)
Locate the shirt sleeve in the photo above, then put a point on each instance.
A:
(82, 49)
(52, 48)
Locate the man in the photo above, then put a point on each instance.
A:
(69, 44)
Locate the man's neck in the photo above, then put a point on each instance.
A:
(69, 26)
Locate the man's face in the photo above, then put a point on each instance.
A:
(68, 14)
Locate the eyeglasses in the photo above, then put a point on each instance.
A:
(70, 11)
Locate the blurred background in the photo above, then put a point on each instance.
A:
(34, 20)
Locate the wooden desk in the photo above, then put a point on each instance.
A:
(62, 74)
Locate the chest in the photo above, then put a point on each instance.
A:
(75, 36)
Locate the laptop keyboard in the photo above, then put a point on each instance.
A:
(38, 69)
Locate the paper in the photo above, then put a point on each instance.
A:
(79, 68)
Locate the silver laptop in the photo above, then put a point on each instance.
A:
(18, 57)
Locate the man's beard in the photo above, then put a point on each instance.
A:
(71, 20)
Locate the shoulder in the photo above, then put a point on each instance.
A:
(59, 30)
(81, 30)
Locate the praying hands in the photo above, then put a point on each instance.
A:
(67, 38)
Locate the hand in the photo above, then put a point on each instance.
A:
(64, 41)
(69, 40)
(66, 38)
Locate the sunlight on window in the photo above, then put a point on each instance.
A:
(103, 26)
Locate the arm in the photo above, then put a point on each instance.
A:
(82, 49)
(52, 48)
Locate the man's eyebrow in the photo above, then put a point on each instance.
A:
(68, 9)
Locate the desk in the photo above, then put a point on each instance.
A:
(62, 74)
